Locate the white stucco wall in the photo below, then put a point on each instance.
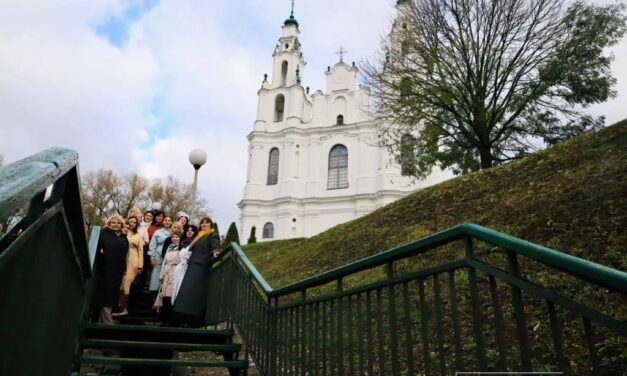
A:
(300, 205)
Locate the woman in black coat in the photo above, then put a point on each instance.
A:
(110, 267)
(191, 300)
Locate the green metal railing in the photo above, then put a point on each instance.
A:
(44, 264)
(465, 299)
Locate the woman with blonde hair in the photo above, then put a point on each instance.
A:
(110, 264)
(135, 259)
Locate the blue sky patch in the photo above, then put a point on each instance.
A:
(116, 28)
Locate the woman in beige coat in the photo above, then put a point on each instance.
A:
(135, 261)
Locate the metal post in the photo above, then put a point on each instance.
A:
(194, 189)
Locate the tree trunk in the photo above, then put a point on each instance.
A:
(486, 157)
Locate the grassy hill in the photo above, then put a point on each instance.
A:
(571, 197)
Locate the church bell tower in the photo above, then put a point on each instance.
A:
(282, 99)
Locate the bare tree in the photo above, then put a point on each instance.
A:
(98, 187)
(176, 197)
(105, 193)
(480, 82)
(130, 192)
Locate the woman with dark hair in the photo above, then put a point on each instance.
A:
(157, 223)
(184, 220)
(188, 235)
(110, 265)
(191, 299)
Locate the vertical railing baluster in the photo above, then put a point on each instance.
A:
(455, 315)
(307, 334)
(380, 332)
(281, 342)
(340, 331)
(290, 341)
(556, 333)
(590, 341)
(409, 343)
(332, 339)
(298, 337)
(424, 326)
(325, 348)
(258, 322)
(293, 338)
(519, 313)
(303, 335)
(360, 334)
(389, 270)
(499, 325)
(351, 336)
(249, 309)
(369, 333)
(439, 323)
(316, 339)
(476, 309)
(273, 338)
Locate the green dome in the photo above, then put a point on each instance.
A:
(399, 2)
(291, 21)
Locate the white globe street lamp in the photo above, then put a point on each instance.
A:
(197, 158)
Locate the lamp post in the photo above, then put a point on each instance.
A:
(197, 158)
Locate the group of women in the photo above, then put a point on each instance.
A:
(173, 257)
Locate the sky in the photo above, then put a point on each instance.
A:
(135, 85)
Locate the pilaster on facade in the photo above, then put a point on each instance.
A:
(315, 160)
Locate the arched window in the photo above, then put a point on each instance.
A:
(338, 167)
(268, 231)
(407, 155)
(284, 73)
(273, 167)
(340, 120)
(279, 107)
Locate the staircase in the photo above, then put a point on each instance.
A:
(149, 350)
(140, 346)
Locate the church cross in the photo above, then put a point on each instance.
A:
(292, 8)
(341, 52)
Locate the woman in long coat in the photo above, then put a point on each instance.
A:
(191, 300)
(110, 267)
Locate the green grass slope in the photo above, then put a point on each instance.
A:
(571, 197)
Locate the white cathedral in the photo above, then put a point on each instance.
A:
(314, 160)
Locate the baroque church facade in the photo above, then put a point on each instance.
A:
(315, 160)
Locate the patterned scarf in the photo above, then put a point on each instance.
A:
(201, 234)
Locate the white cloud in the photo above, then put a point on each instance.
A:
(64, 86)
(202, 62)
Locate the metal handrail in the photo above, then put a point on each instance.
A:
(22, 180)
(590, 271)
(43, 256)
(335, 331)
